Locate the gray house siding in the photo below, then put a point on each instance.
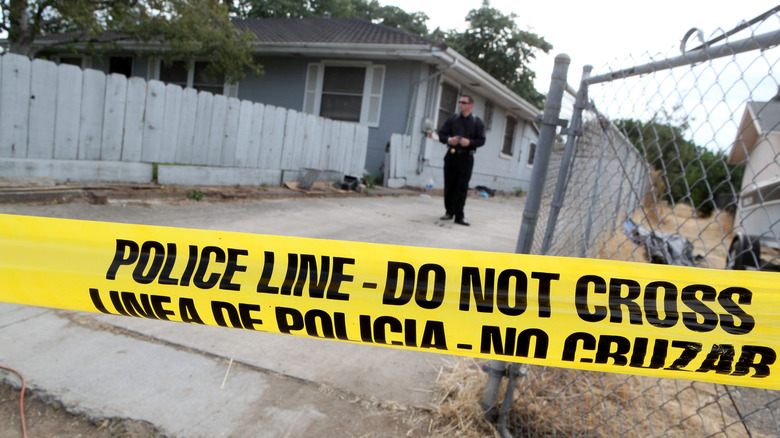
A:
(400, 78)
(283, 83)
(492, 167)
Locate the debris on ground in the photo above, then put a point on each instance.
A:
(662, 248)
(485, 192)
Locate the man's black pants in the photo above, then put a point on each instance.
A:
(457, 173)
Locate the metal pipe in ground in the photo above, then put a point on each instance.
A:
(550, 122)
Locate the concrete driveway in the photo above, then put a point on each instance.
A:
(198, 381)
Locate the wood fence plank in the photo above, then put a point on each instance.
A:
(308, 145)
(346, 137)
(344, 129)
(243, 135)
(202, 128)
(186, 138)
(357, 164)
(289, 151)
(170, 126)
(153, 122)
(217, 132)
(230, 141)
(327, 129)
(93, 96)
(278, 140)
(270, 147)
(256, 138)
(132, 143)
(66, 123)
(43, 100)
(14, 106)
(114, 117)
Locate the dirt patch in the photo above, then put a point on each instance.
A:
(710, 235)
(47, 418)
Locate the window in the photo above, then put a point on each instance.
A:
(346, 91)
(191, 75)
(509, 135)
(448, 102)
(342, 93)
(531, 153)
(122, 65)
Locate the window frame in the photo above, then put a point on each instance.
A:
(371, 97)
(512, 136)
(440, 109)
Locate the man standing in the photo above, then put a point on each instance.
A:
(463, 133)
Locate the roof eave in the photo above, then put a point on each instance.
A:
(330, 49)
(496, 89)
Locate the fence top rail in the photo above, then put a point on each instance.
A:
(763, 41)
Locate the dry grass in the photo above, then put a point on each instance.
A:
(457, 410)
(710, 235)
(560, 402)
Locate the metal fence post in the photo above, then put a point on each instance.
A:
(568, 153)
(550, 121)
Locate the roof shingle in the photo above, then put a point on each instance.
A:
(330, 30)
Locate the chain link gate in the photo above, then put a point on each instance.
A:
(673, 161)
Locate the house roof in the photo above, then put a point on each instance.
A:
(358, 38)
(330, 31)
(767, 115)
(758, 120)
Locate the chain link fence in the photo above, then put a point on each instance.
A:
(674, 160)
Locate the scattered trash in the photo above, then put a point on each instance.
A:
(485, 192)
(662, 248)
(308, 179)
(349, 183)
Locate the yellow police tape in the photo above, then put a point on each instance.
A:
(665, 321)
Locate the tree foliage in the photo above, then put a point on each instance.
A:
(185, 29)
(495, 43)
(691, 174)
(390, 16)
(178, 28)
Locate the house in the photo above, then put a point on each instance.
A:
(757, 147)
(393, 82)
(758, 143)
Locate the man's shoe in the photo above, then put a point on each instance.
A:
(462, 222)
(447, 217)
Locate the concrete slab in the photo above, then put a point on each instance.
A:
(183, 393)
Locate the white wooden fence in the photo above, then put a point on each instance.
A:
(83, 125)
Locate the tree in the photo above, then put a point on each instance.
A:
(690, 173)
(390, 16)
(495, 43)
(179, 28)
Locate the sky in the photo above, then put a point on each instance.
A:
(599, 31)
